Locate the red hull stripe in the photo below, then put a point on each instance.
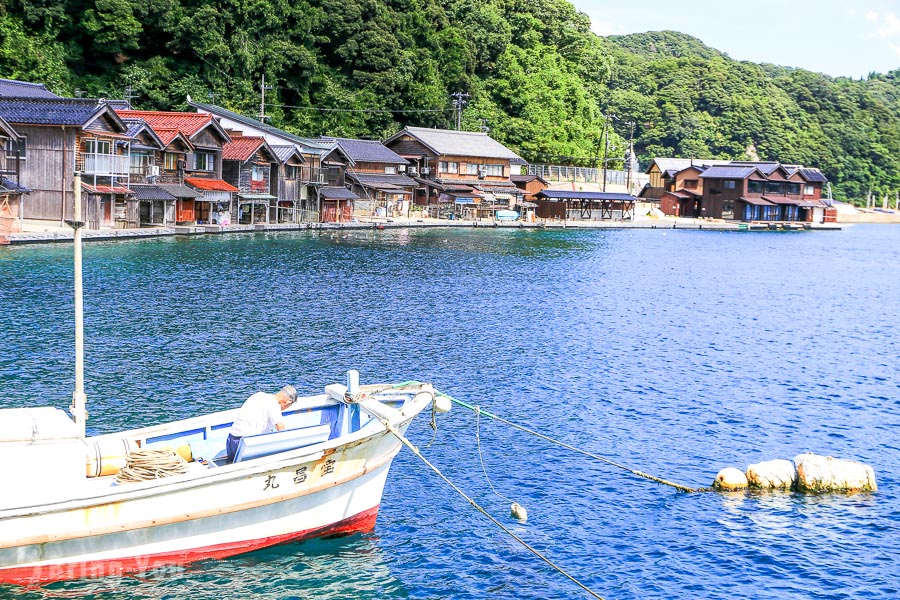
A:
(364, 521)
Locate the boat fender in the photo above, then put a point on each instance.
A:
(729, 479)
(107, 456)
(517, 511)
(442, 404)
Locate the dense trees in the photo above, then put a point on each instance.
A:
(534, 72)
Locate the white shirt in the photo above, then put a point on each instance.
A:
(259, 414)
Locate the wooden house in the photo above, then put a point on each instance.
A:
(61, 136)
(249, 163)
(11, 192)
(377, 175)
(683, 192)
(663, 172)
(287, 206)
(321, 184)
(190, 165)
(458, 172)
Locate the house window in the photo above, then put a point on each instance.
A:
(493, 170)
(140, 161)
(755, 186)
(290, 172)
(258, 173)
(95, 146)
(390, 170)
(12, 146)
(448, 167)
(170, 161)
(809, 190)
(471, 169)
(690, 183)
(728, 184)
(793, 189)
(204, 161)
(775, 187)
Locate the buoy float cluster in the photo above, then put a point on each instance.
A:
(810, 473)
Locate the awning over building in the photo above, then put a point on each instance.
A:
(178, 190)
(337, 193)
(779, 200)
(210, 185)
(256, 198)
(596, 196)
(757, 201)
(105, 189)
(149, 193)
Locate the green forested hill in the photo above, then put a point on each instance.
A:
(533, 71)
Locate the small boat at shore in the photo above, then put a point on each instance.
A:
(66, 514)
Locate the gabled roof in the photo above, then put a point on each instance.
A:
(284, 153)
(243, 148)
(729, 172)
(459, 143)
(813, 175)
(24, 89)
(368, 151)
(310, 145)
(527, 179)
(77, 112)
(138, 126)
(168, 136)
(190, 124)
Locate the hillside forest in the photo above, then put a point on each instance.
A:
(531, 72)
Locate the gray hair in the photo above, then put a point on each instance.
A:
(288, 392)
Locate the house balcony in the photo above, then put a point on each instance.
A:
(105, 164)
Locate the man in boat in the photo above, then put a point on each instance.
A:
(260, 413)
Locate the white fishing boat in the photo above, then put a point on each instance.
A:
(67, 512)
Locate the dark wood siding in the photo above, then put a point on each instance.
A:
(47, 171)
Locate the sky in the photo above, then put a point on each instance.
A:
(849, 38)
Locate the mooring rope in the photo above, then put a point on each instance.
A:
(477, 507)
(147, 464)
(480, 455)
(479, 411)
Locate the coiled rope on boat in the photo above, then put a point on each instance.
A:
(147, 464)
(478, 507)
(478, 411)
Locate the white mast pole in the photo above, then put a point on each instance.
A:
(79, 400)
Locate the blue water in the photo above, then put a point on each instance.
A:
(674, 352)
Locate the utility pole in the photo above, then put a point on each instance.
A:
(262, 97)
(459, 101)
(606, 148)
(129, 94)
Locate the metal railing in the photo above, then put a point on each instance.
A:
(560, 173)
(105, 164)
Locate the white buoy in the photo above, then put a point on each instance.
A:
(826, 474)
(517, 511)
(442, 404)
(772, 475)
(730, 478)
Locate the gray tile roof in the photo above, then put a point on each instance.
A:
(679, 164)
(337, 193)
(251, 122)
(570, 195)
(24, 89)
(284, 153)
(368, 151)
(50, 111)
(728, 172)
(179, 191)
(461, 143)
(376, 179)
(7, 185)
(150, 192)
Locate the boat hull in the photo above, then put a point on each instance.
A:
(207, 513)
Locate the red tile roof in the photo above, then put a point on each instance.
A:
(185, 122)
(242, 148)
(168, 135)
(210, 185)
(105, 189)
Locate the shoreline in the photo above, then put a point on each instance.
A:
(43, 234)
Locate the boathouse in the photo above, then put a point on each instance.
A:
(585, 206)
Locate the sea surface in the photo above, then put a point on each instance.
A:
(676, 353)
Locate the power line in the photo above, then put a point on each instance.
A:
(366, 110)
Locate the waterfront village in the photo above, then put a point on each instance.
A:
(212, 170)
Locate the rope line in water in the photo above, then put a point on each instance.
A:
(477, 410)
(477, 507)
(481, 456)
